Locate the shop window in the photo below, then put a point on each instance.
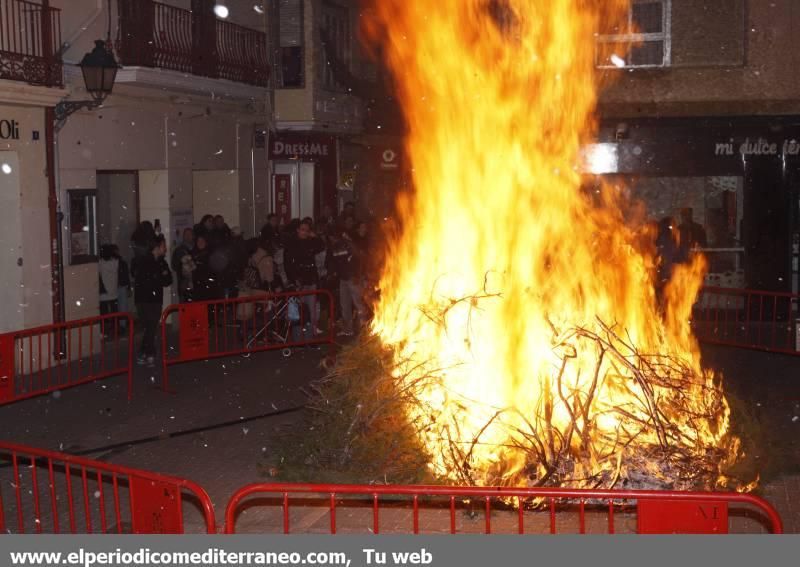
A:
(82, 225)
(291, 50)
(336, 24)
(643, 40)
(716, 204)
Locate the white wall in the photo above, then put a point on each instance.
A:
(117, 206)
(11, 299)
(217, 193)
(173, 147)
(25, 299)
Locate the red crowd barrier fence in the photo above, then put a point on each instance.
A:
(48, 492)
(760, 320)
(54, 357)
(242, 326)
(503, 510)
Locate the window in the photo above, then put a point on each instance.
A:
(642, 41)
(291, 54)
(82, 225)
(336, 25)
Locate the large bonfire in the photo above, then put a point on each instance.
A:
(525, 339)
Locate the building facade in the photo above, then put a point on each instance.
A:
(702, 113)
(182, 135)
(335, 138)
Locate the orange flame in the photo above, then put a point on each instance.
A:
(504, 261)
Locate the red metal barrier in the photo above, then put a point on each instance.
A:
(54, 357)
(241, 326)
(48, 492)
(761, 320)
(498, 510)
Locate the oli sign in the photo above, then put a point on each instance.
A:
(9, 130)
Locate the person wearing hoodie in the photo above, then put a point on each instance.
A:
(151, 275)
(347, 262)
(141, 238)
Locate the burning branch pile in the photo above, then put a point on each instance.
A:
(518, 339)
(375, 410)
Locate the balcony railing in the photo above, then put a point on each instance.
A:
(30, 40)
(162, 36)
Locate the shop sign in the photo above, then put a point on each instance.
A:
(9, 130)
(758, 147)
(390, 159)
(283, 197)
(301, 150)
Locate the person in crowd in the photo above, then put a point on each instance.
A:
(141, 238)
(346, 261)
(228, 259)
(258, 277)
(349, 210)
(108, 267)
(327, 220)
(219, 234)
(123, 285)
(204, 227)
(151, 275)
(184, 277)
(369, 262)
(277, 248)
(289, 231)
(271, 232)
(301, 269)
(668, 254)
(205, 285)
(348, 224)
(691, 234)
(238, 246)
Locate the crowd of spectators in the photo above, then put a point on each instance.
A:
(213, 261)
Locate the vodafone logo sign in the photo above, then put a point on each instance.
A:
(389, 159)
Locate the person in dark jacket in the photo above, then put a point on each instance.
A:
(228, 260)
(141, 238)
(220, 234)
(151, 275)
(669, 254)
(204, 227)
(271, 232)
(205, 282)
(691, 235)
(124, 283)
(300, 264)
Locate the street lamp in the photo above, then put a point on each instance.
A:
(99, 68)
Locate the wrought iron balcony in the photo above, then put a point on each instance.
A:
(30, 39)
(162, 36)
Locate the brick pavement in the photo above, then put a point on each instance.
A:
(222, 460)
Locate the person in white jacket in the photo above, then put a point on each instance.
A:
(109, 278)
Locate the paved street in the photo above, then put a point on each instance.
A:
(236, 390)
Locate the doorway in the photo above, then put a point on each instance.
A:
(117, 209)
(304, 182)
